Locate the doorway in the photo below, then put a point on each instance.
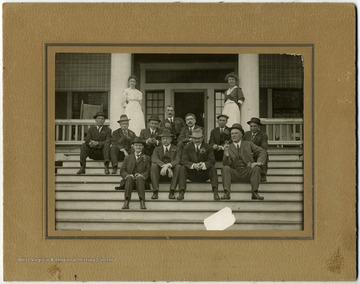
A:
(187, 101)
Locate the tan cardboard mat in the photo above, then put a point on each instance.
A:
(296, 66)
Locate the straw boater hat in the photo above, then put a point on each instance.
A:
(138, 140)
(231, 75)
(222, 115)
(100, 113)
(198, 132)
(166, 133)
(123, 117)
(255, 120)
(154, 117)
(237, 126)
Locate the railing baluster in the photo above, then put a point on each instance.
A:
(69, 132)
(294, 131)
(281, 132)
(301, 132)
(288, 134)
(63, 133)
(274, 132)
(82, 132)
(76, 132)
(56, 132)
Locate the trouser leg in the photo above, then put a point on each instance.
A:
(255, 175)
(175, 178)
(140, 186)
(129, 185)
(214, 178)
(182, 178)
(84, 152)
(155, 176)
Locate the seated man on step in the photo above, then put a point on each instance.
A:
(239, 164)
(121, 141)
(134, 172)
(198, 164)
(165, 162)
(97, 144)
(151, 135)
(218, 137)
(259, 138)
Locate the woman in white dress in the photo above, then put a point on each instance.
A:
(132, 104)
(234, 98)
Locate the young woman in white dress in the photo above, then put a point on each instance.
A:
(132, 104)
(234, 98)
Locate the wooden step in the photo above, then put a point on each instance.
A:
(190, 195)
(136, 216)
(97, 170)
(182, 205)
(116, 178)
(88, 226)
(264, 187)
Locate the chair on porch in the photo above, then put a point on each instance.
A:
(87, 111)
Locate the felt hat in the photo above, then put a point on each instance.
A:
(255, 120)
(138, 140)
(166, 133)
(154, 117)
(123, 117)
(237, 126)
(100, 113)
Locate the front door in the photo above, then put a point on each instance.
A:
(190, 102)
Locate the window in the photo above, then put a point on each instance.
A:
(219, 102)
(155, 101)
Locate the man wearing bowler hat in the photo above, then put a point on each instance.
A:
(151, 135)
(134, 172)
(239, 164)
(121, 141)
(259, 138)
(218, 137)
(165, 164)
(97, 144)
(198, 164)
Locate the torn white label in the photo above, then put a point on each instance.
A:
(220, 220)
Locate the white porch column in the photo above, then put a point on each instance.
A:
(249, 82)
(120, 72)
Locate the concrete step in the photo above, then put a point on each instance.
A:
(190, 195)
(287, 157)
(183, 205)
(88, 226)
(264, 187)
(135, 216)
(91, 170)
(116, 178)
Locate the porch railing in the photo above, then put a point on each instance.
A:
(72, 131)
(284, 131)
(281, 131)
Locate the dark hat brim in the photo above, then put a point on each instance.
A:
(222, 115)
(97, 115)
(257, 122)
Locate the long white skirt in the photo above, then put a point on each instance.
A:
(232, 110)
(134, 112)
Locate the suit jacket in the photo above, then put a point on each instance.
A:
(185, 134)
(247, 149)
(190, 156)
(219, 138)
(236, 95)
(175, 127)
(119, 140)
(131, 166)
(158, 154)
(260, 139)
(103, 137)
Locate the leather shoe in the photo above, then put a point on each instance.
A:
(216, 196)
(263, 179)
(171, 195)
(107, 172)
(114, 171)
(255, 195)
(226, 195)
(142, 204)
(126, 204)
(180, 196)
(81, 171)
(155, 195)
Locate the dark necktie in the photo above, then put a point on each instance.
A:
(167, 151)
(153, 133)
(137, 157)
(253, 137)
(190, 131)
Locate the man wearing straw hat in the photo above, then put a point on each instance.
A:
(97, 144)
(259, 138)
(239, 164)
(198, 164)
(151, 135)
(165, 164)
(121, 141)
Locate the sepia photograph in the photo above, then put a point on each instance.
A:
(163, 141)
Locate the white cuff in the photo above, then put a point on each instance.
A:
(240, 102)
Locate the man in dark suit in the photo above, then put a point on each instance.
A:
(239, 164)
(121, 141)
(165, 162)
(218, 136)
(186, 132)
(259, 138)
(198, 164)
(97, 144)
(175, 124)
(134, 172)
(151, 135)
